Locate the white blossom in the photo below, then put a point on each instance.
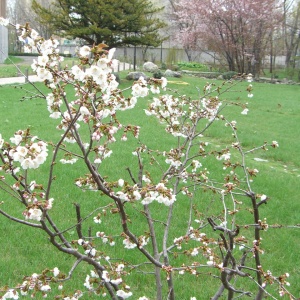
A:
(78, 73)
(123, 294)
(245, 111)
(11, 294)
(44, 74)
(43, 60)
(1, 141)
(4, 22)
(56, 272)
(105, 276)
(128, 244)
(34, 214)
(85, 51)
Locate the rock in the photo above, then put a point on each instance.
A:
(150, 67)
(170, 73)
(118, 79)
(136, 76)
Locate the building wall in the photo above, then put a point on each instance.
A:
(3, 8)
(3, 34)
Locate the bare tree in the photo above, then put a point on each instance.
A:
(291, 32)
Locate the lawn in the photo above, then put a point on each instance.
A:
(8, 68)
(274, 114)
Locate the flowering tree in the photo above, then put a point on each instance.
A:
(238, 31)
(166, 187)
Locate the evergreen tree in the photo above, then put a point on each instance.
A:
(113, 22)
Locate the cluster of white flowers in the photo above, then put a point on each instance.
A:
(70, 161)
(53, 105)
(105, 239)
(168, 109)
(123, 294)
(4, 22)
(100, 72)
(195, 165)
(36, 283)
(33, 214)
(11, 293)
(140, 88)
(194, 252)
(159, 193)
(89, 249)
(128, 244)
(174, 158)
(143, 241)
(30, 155)
(48, 58)
(210, 262)
(210, 107)
(224, 156)
(89, 279)
(114, 278)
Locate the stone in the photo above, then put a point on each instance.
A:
(136, 76)
(150, 67)
(170, 73)
(118, 79)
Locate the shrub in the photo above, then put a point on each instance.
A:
(158, 74)
(229, 75)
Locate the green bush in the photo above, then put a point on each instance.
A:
(230, 74)
(158, 74)
(192, 65)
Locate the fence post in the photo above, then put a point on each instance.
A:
(26, 75)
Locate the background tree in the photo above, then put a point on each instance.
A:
(291, 32)
(189, 45)
(116, 23)
(238, 31)
(19, 12)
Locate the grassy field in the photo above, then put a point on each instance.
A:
(8, 68)
(274, 114)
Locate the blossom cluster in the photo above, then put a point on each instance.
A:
(28, 153)
(149, 193)
(113, 276)
(25, 149)
(205, 246)
(34, 284)
(4, 22)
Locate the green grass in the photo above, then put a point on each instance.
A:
(278, 178)
(290, 74)
(9, 69)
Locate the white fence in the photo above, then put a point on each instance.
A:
(164, 55)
